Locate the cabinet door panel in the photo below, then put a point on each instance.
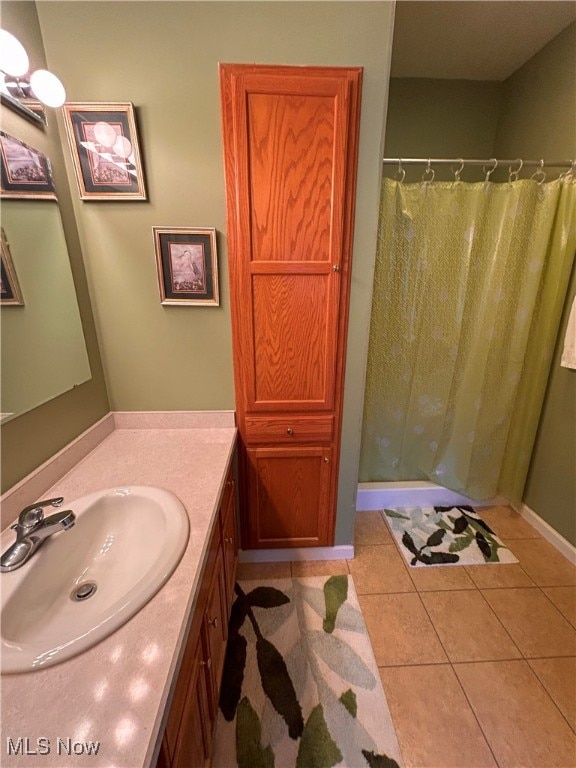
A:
(289, 496)
(195, 735)
(216, 627)
(230, 548)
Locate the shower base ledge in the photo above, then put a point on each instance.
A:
(414, 493)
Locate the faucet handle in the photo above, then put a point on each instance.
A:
(33, 515)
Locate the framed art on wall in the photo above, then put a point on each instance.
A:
(104, 145)
(187, 265)
(25, 172)
(10, 292)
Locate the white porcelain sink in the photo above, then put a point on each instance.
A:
(127, 541)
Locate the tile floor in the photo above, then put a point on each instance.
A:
(478, 663)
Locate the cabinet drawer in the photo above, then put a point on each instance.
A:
(264, 429)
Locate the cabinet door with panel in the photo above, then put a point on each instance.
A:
(194, 738)
(290, 151)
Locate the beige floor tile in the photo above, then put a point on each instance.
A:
(400, 630)
(370, 528)
(535, 625)
(432, 578)
(493, 576)
(508, 524)
(467, 627)
(254, 571)
(543, 563)
(564, 598)
(521, 723)
(558, 676)
(319, 567)
(434, 723)
(379, 569)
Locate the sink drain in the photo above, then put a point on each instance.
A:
(83, 591)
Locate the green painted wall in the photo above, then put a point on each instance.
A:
(539, 120)
(441, 118)
(29, 440)
(163, 57)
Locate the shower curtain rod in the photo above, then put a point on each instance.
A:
(490, 161)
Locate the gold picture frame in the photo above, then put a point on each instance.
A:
(10, 293)
(187, 266)
(105, 150)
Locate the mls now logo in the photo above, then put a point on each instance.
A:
(42, 746)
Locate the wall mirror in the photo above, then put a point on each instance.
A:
(43, 351)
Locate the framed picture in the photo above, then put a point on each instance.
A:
(9, 288)
(25, 172)
(104, 145)
(187, 266)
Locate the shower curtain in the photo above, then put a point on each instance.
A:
(469, 286)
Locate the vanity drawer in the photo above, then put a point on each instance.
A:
(286, 429)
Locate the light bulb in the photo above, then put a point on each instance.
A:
(13, 56)
(48, 88)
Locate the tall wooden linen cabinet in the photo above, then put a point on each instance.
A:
(290, 155)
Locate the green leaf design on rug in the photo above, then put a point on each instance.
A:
(338, 655)
(379, 761)
(348, 700)
(249, 751)
(335, 593)
(317, 748)
(392, 513)
(278, 686)
(461, 543)
(266, 597)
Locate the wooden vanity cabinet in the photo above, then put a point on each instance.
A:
(187, 741)
(290, 139)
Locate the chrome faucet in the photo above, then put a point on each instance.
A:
(32, 530)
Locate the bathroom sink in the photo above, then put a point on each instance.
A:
(84, 583)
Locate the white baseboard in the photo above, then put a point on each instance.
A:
(413, 493)
(550, 534)
(342, 552)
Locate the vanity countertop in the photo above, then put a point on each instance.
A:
(116, 692)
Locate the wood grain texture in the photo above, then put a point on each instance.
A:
(289, 493)
(290, 153)
(289, 429)
(291, 147)
(293, 350)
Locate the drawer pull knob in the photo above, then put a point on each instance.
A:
(213, 622)
(326, 460)
(290, 431)
(229, 540)
(336, 267)
(207, 664)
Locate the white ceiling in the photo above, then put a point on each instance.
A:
(473, 39)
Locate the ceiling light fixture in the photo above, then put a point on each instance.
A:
(16, 81)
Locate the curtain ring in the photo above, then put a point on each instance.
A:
(459, 170)
(570, 171)
(400, 174)
(491, 170)
(514, 174)
(428, 171)
(539, 173)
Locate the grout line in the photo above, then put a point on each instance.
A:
(482, 731)
(550, 696)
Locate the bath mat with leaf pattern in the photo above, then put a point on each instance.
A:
(445, 536)
(301, 687)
